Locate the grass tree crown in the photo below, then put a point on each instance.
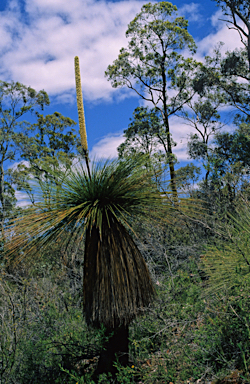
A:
(102, 209)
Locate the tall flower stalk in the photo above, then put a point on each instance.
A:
(81, 117)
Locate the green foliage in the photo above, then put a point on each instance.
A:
(125, 375)
(145, 134)
(162, 340)
(187, 176)
(49, 144)
(181, 336)
(152, 65)
(151, 36)
(241, 6)
(237, 13)
(185, 337)
(229, 77)
(197, 329)
(44, 329)
(226, 162)
(15, 101)
(232, 150)
(204, 117)
(53, 139)
(227, 263)
(228, 346)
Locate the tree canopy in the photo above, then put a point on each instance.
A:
(45, 146)
(16, 100)
(238, 13)
(152, 64)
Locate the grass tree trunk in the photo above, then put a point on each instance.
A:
(117, 285)
(115, 349)
(2, 207)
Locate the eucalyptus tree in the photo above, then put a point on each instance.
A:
(230, 159)
(204, 116)
(16, 100)
(152, 64)
(222, 81)
(229, 77)
(44, 146)
(237, 14)
(144, 134)
(231, 73)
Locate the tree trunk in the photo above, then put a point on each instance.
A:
(170, 160)
(166, 123)
(114, 350)
(2, 207)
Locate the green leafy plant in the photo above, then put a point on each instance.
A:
(153, 66)
(227, 263)
(103, 209)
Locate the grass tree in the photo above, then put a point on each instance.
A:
(99, 203)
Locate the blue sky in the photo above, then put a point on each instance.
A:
(39, 39)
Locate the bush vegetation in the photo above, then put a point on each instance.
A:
(196, 330)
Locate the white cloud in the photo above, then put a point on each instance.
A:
(107, 147)
(22, 199)
(180, 132)
(230, 38)
(191, 12)
(15, 165)
(38, 48)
